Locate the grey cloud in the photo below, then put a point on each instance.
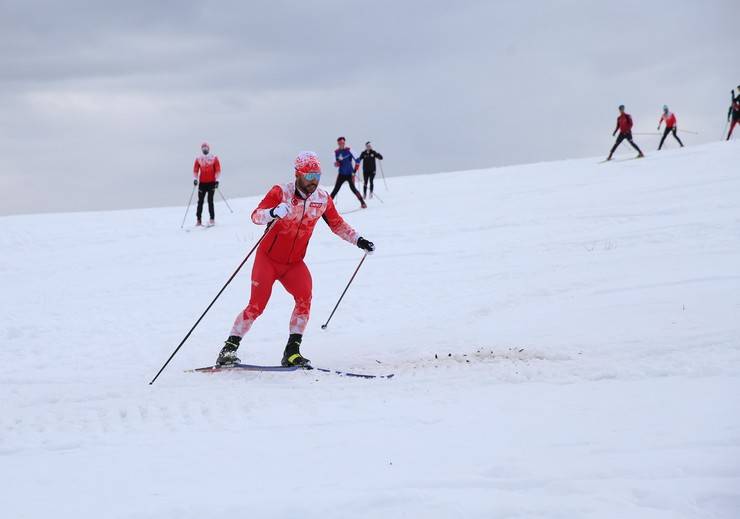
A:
(100, 100)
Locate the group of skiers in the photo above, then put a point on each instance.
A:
(624, 125)
(291, 211)
(207, 172)
(348, 166)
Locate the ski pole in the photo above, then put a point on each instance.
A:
(725, 130)
(687, 131)
(210, 305)
(188, 207)
(383, 175)
(375, 195)
(323, 326)
(646, 133)
(222, 196)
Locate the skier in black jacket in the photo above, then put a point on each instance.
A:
(367, 157)
(734, 112)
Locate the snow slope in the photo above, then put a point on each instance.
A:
(585, 320)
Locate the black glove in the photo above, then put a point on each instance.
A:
(216, 184)
(614, 134)
(195, 181)
(365, 245)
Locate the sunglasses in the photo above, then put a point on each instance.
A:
(312, 176)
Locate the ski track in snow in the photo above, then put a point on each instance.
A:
(584, 319)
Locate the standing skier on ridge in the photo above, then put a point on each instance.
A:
(624, 125)
(670, 126)
(291, 212)
(343, 160)
(367, 157)
(734, 112)
(206, 170)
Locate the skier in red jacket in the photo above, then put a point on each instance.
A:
(624, 125)
(670, 126)
(206, 172)
(291, 212)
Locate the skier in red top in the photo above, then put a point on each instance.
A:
(291, 212)
(624, 125)
(670, 126)
(206, 172)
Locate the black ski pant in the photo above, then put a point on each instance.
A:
(206, 188)
(624, 136)
(368, 176)
(341, 179)
(665, 134)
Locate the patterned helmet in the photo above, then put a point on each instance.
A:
(307, 162)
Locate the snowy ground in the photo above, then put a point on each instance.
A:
(586, 320)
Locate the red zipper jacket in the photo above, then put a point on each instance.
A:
(207, 168)
(288, 237)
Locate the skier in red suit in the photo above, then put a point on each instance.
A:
(669, 118)
(206, 172)
(291, 211)
(624, 125)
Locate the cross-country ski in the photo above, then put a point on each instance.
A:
(237, 367)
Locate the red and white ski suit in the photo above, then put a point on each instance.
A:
(280, 255)
(206, 169)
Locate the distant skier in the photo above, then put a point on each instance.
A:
(734, 112)
(367, 157)
(291, 212)
(343, 160)
(624, 125)
(670, 126)
(206, 170)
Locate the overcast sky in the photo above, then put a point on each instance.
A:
(104, 105)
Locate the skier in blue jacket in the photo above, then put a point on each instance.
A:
(344, 161)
